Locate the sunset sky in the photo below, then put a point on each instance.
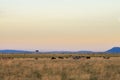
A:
(59, 24)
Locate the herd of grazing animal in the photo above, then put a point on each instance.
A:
(60, 57)
(79, 57)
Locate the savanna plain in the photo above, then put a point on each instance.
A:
(61, 67)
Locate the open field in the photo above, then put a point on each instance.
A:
(47, 55)
(27, 67)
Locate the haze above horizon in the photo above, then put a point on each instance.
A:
(59, 24)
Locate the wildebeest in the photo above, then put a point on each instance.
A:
(53, 58)
(88, 57)
(61, 57)
(106, 57)
(81, 57)
(76, 57)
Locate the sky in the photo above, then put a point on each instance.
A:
(59, 24)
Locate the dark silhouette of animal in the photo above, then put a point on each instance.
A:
(53, 58)
(88, 57)
(76, 57)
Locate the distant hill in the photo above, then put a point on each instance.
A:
(49, 52)
(114, 50)
(85, 51)
(14, 51)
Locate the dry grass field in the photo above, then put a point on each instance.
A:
(44, 68)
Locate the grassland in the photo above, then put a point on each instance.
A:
(25, 67)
